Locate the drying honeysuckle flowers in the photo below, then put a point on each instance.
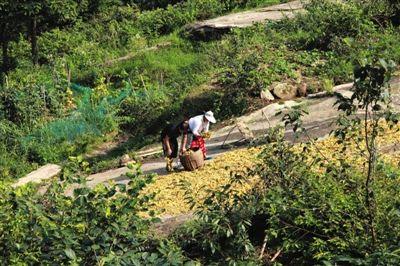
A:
(170, 198)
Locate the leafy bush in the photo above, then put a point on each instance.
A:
(163, 21)
(92, 226)
(28, 99)
(220, 232)
(324, 22)
(319, 217)
(383, 12)
(314, 208)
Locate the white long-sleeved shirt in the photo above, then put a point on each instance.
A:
(197, 125)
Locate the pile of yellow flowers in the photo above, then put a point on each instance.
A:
(355, 152)
(170, 196)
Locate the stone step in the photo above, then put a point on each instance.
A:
(45, 172)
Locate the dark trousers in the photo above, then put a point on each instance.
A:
(173, 143)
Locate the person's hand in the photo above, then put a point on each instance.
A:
(195, 136)
(206, 135)
(169, 152)
(182, 151)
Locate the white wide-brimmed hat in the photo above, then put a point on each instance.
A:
(210, 117)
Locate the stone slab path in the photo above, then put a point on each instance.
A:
(248, 18)
(43, 173)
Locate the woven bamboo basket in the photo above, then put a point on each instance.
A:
(192, 160)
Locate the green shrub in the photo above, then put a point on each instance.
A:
(382, 12)
(144, 111)
(220, 232)
(12, 158)
(27, 99)
(314, 208)
(94, 226)
(323, 23)
(163, 21)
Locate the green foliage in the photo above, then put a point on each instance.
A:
(163, 21)
(220, 233)
(382, 12)
(324, 22)
(338, 214)
(56, 140)
(92, 226)
(27, 99)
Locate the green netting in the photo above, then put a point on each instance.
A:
(88, 118)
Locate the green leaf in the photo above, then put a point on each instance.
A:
(70, 253)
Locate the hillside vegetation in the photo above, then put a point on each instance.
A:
(78, 45)
(76, 73)
(50, 49)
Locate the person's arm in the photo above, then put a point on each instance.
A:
(195, 128)
(207, 127)
(185, 132)
(184, 142)
(166, 143)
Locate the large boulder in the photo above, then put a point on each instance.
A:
(284, 91)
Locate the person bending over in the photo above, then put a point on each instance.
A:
(169, 139)
(198, 125)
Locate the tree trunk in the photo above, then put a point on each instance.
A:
(34, 47)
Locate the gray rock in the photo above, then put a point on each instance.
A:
(43, 173)
(244, 130)
(267, 95)
(125, 159)
(302, 89)
(250, 17)
(284, 91)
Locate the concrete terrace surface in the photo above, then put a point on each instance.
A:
(248, 18)
(43, 173)
(318, 121)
